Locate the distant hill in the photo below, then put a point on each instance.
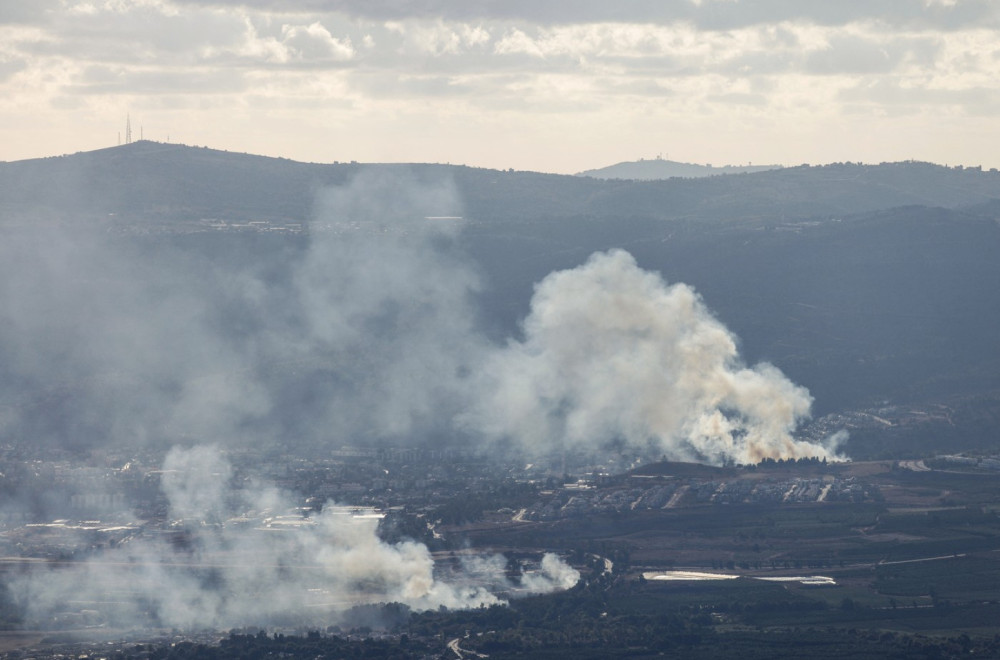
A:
(864, 283)
(150, 182)
(658, 168)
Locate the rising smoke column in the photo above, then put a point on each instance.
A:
(612, 353)
(361, 329)
(386, 298)
(367, 331)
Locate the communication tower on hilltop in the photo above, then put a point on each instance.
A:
(128, 129)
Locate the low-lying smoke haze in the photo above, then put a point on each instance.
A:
(243, 555)
(368, 331)
(365, 331)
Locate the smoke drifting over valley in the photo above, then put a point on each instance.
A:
(367, 331)
(239, 556)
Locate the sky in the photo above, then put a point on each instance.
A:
(557, 86)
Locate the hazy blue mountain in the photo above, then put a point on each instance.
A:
(148, 181)
(659, 168)
(864, 283)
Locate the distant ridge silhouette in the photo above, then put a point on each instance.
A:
(659, 168)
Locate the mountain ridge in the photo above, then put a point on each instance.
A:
(660, 168)
(863, 283)
(147, 179)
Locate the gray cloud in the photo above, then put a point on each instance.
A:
(898, 97)
(26, 12)
(119, 80)
(10, 67)
(859, 55)
(737, 98)
(487, 54)
(387, 85)
(916, 14)
(143, 34)
(708, 14)
(642, 88)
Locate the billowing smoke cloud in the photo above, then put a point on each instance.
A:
(554, 574)
(612, 353)
(246, 556)
(365, 331)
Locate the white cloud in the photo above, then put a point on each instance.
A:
(438, 37)
(314, 42)
(624, 69)
(516, 41)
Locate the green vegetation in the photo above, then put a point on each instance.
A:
(960, 579)
(469, 507)
(629, 619)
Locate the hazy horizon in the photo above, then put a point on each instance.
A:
(638, 159)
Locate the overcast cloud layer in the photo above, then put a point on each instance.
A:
(508, 83)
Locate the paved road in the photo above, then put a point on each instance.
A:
(460, 652)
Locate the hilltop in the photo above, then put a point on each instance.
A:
(659, 168)
(147, 180)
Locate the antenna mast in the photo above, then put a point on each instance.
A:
(128, 129)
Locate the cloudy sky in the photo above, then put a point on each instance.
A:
(559, 85)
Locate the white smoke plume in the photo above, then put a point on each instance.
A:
(612, 353)
(244, 556)
(554, 574)
(367, 331)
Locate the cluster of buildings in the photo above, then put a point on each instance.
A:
(264, 226)
(991, 463)
(880, 417)
(579, 500)
(57, 507)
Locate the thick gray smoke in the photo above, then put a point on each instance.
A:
(365, 331)
(361, 331)
(107, 340)
(386, 300)
(611, 353)
(247, 556)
